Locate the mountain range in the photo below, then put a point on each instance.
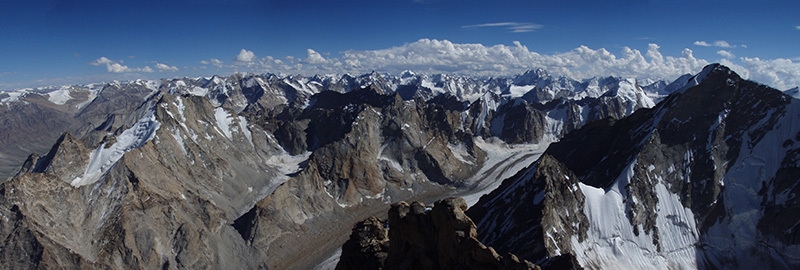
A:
(262, 171)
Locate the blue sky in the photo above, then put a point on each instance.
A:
(69, 42)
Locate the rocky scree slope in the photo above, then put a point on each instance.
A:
(244, 171)
(706, 179)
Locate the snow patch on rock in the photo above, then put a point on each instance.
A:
(103, 158)
(60, 96)
(223, 121)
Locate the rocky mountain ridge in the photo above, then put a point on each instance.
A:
(242, 171)
(34, 118)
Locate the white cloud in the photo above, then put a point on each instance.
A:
(726, 54)
(245, 56)
(443, 56)
(447, 57)
(723, 44)
(315, 58)
(116, 66)
(718, 43)
(213, 61)
(702, 43)
(779, 73)
(514, 27)
(797, 27)
(165, 67)
(101, 61)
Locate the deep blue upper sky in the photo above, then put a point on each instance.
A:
(65, 42)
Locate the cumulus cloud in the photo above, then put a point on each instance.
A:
(443, 56)
(718, 43)
(779, 73)
(245, 56)
(514, 27)
(726, 54)
(702, 43)
(498, 60)
(315, 58)
(101, 61)
(117, 66)
(165, 67)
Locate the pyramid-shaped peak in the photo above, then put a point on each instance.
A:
(531, 77)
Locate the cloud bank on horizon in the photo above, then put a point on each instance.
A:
(444, 56)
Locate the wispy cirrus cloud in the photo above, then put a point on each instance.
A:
(797, 27)
(213, 61)
(513, 27)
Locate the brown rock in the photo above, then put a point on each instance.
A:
(443, 237)
(367, 248)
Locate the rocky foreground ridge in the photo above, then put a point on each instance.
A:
(420, 237)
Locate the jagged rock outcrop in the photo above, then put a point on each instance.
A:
(695, 182)
(367, 247)
(417, 237)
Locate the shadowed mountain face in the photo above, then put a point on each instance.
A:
(705, 179)
(246, 171)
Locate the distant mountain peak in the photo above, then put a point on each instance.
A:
(532, 77)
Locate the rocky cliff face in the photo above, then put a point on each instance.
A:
(418, 237)
(244, 171)
(695, 182)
